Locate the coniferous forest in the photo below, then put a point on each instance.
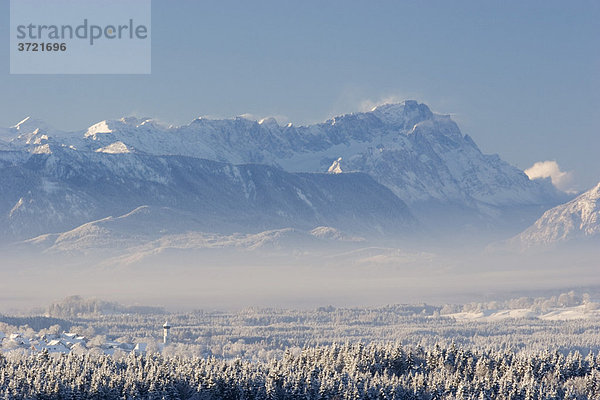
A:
(348, 371)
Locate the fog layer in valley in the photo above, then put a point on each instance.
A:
(352, 276)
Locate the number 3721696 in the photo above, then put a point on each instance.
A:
(23, 46)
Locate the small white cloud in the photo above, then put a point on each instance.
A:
(550, 169)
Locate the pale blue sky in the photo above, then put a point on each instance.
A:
(521, 77)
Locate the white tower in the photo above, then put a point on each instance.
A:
(166, 328)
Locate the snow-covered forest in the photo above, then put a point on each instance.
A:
(349, 371)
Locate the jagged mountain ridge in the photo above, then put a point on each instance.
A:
(578, 219)
(422, 157)
(418, 154)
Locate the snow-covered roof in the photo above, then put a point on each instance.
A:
(140, 347)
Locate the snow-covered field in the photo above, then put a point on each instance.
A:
(560, 314)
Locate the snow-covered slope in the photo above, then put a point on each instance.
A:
(557, 314)
(58, 190)
(579, 219)
(150, 230)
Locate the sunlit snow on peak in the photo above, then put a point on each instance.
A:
(99, 128)
(268, 121)
(17, 126)
(336, 167)
(114, 148)
(43, 149)
(29, 125)
(135, 121)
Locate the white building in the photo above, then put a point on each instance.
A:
(64, 343)
(19, 340)
(56, 346)
(71, 339)
(166, 328)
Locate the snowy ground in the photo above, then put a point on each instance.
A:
(582, 311)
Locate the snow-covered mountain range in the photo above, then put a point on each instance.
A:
(577, 220)
(396, 169)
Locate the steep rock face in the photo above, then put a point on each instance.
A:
(59, 190)
(420, 156)
(579, 219)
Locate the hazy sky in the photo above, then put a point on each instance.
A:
(521, 77)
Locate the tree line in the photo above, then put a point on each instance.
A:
(337, 371)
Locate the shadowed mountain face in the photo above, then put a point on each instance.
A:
(396, 169)
(58, 191)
